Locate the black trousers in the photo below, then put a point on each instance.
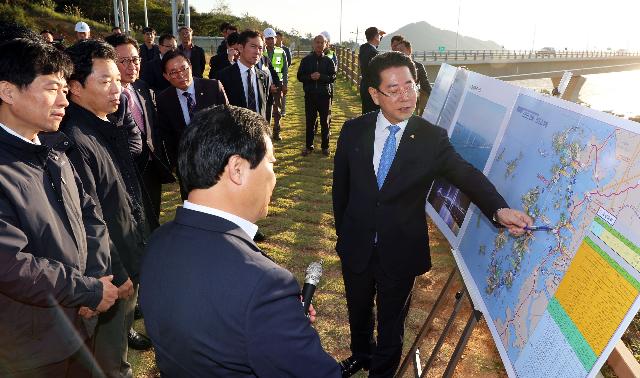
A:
(151, 194)
(78, 365)
(367, 103)
(392, 299)
(314, 105)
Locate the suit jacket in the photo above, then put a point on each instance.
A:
(208, 93)
(396, 212)
(197, 59)
(153, 155)
(152, 75)
(226, 309)
(365, 54)
(149, 54)
(230, 78)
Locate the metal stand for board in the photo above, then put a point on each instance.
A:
(413, 356)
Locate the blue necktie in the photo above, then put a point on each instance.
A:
(388, 153)
(191, 105)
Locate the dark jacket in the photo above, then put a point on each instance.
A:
(365, 54)
(225, 310)
(217, 63)
(153, 155)
(423, 79)
(395, 213)
(108, 172)
(171, 120)
(53, 247)
(197, 59)
(317, 63)
(151, 73)
(149, 54)
(230, 78)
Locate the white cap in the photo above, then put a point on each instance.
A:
(326, 35)
(82, 27)
(269, 33)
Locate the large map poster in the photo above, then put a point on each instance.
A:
(556, 301)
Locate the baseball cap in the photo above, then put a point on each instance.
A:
(269, 33)
(82, 27)
(326, 35)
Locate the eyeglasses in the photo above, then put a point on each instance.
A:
(175, 74)
(397, 92)
(127, 61)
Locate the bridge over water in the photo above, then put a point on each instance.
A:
(517, 65)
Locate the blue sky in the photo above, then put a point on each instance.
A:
(516, 24)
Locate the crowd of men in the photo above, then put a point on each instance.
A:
(86, 145)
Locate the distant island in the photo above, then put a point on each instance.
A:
(424, 36)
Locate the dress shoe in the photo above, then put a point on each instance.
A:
(259, 237)
(276, 137)
(306, 151)
(352, 365)
(138, 341)
(325, 151)
(137, 312)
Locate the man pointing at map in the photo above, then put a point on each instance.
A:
(384, 165)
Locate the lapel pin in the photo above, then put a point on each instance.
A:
(201, 93)
(413, 136)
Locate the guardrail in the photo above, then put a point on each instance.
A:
(516, 54)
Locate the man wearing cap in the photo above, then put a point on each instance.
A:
(365, 54)
(82, 31)
(191, 51)
(280, 64)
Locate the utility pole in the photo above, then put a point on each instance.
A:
(458, 29)
(340, 21)
(146, 18)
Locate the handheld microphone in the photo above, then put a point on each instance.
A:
(314, 271)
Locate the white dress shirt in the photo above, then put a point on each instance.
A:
(36, 140)
(381, 135)
(183, 101)
(243, 75)
(249, 228)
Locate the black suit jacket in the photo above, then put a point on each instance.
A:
(225, 309)
(152, 75)
(171, 120)
(396, 212)
(365, 54)
(230, 78)
(197, 59)
(152, 143)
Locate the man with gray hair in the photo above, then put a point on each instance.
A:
(317, 72)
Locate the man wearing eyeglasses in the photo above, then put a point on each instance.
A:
(152, 70)
(177, 104)
(384, 165)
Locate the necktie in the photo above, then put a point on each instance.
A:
(136, 112)
(251, 94)
(191, 105)
(388, 153)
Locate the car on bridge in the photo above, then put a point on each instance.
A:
(546, 52)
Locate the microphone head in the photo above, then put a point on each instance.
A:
(314, 271)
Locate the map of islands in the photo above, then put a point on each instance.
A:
(556, 298)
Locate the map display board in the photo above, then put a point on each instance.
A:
(556, 301)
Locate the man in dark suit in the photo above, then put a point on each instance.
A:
(226, 309)
(149, 50)
(152, 70)
(236, 77)
(191, 51)
(378, 203)
(178, 103)
(365, 54)
(221, 61)
(404, 47)
(152, 162)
